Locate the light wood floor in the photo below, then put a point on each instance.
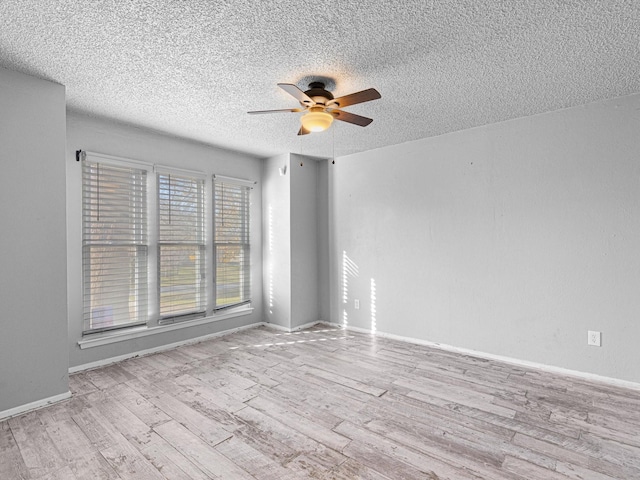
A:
(324, 404)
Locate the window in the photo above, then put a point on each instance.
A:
(181, 245)
(114, 246)
(231, 242)
(152, 248)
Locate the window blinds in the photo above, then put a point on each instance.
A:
(114, 246)
(231, 243)
(147, 249)
(181, 245)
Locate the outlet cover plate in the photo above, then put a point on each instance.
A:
(594, 338)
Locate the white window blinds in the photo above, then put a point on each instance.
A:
(114, 246)
(231, 243)
(181, 245)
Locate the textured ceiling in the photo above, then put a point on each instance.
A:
(193, 68)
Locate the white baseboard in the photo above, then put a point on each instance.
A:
(295, 329)
(464, 351)
(170, 346)
(160, 348)
(45, 402)
(592, 377)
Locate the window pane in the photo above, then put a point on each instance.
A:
(232, 249)
(114, 239)
(181, 262)
(232, 275)
(180, 206)
(115, 286)
(181, 279)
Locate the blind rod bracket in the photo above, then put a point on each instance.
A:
(80, 155)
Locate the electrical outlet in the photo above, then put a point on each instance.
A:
(594, 338)
(357, 304)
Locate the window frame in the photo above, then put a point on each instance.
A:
(141, 231)
(201, 243)
(245, 270)
(155, 323)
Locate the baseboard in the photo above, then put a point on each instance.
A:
(190, 341)
(45, 402)
(592, 377)
(464, 351)
(160, 348)
(295, 329)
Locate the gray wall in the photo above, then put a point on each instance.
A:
(276, 234)
(292, 213)
(323, 259)
(512, 239)
(86, 133)
(304, 241)
(33, 353)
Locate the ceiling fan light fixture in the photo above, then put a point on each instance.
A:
(321, 107)
(316, 121)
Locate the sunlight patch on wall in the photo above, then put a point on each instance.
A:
(373, 305)
(349, 269)
(270, 247)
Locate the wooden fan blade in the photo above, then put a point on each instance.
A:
(303, 131)
(351, 118)
(358, 97)
(295, 92)
(276, 111)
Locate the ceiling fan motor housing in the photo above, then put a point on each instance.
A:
(318, 94)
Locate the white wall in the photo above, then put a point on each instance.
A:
(276, 234)
(86, 133)
(33, 353)
(511, 239)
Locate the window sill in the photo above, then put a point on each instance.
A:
(106, 338)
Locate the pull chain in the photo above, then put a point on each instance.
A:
(333, 145)
(300, 138)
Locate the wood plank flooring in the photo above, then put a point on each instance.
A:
(324, 404)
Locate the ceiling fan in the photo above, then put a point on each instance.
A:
(321, 108)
